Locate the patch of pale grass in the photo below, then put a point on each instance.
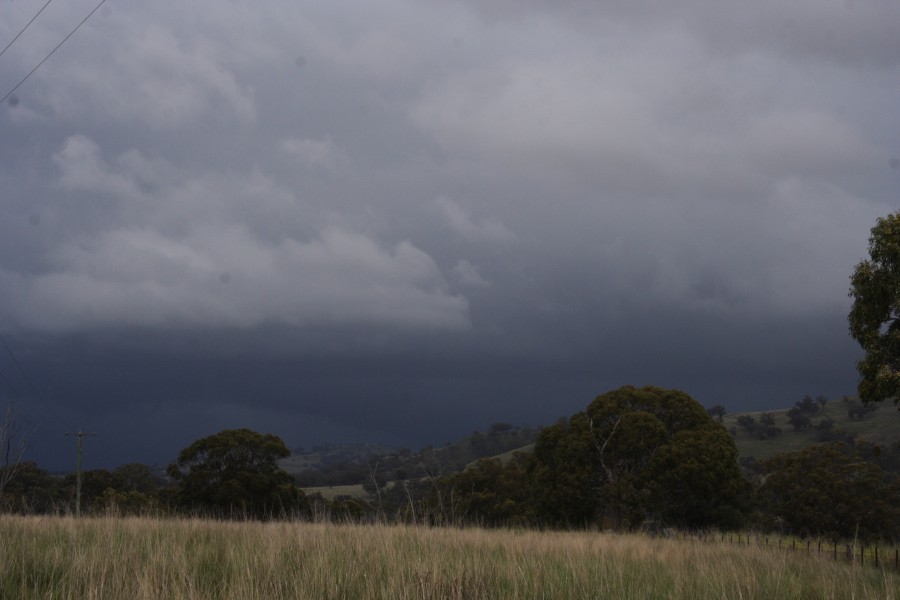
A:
(135, 559)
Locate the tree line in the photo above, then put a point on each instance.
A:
(646, 458)
(635, 459)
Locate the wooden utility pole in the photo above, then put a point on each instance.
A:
(78, 437)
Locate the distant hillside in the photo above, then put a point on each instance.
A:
(879, 424)
(758, 435)
(336, 465)
(320, 458)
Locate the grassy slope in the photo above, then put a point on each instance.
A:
(880, 427)
(64, 558)
(507, 456)
(331, 454)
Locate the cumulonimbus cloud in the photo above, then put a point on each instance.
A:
(196, 259)
(222, 277)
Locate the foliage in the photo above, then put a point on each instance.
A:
(133, 489)
(886, 456)
(858, 411)
(717, 411)
(875, 289)
(489, 493)
(235, 473)
(137, 477)
(830, 490)
(637, 454)
(881, 431)
(129, 489)
(33, 490)
(562, 478)
(809, 406)
(800, 415)
(763, 430)
(800, 421)
(747, 422)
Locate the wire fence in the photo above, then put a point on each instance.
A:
(876, 555)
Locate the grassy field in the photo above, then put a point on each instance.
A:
(63, 558)
(880, 427)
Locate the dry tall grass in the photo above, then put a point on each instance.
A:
(136, 558)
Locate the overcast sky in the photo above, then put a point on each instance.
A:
(399, 221)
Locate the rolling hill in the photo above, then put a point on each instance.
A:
(343, 469)
(879, 426)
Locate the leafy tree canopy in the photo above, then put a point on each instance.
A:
(236, 472)
(636, 454)
(489, 493)
(875, 289)
(831, 490)
(716, 411)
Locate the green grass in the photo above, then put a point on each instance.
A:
(880, 427)
(138, 559)
(505, 457)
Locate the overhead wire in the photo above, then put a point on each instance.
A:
(9, 411)
(9, 351)
(38, 66)
(2, 52)
(9, 384)
(17, 364)
(46, 408)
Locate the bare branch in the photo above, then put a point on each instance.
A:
(13, 444)
(610, 474)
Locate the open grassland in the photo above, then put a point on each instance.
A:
(64, 558)
(881, 427)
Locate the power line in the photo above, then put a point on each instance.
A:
(9, 384)
(27, 379)
(2, 52)
(71, 33)
(18, 366)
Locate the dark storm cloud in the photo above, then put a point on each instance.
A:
(401, 221)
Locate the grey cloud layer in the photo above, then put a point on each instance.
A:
(846, 32)
(618, 187)
(637, 134)
(176, 253)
